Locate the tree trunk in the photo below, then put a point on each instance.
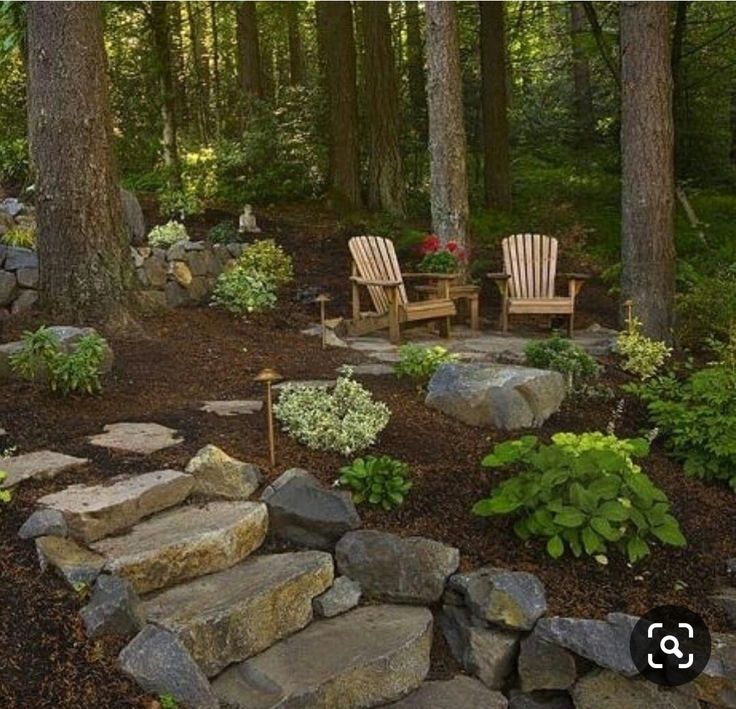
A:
(159, 20)
(584, 114)
(216, 68)
(82, 244)
(415, 70)
(647, 142)
(497, 162)
(296, 53)
(249, 52)
(386, 179)
(337, 46)
(200, 66)
(448, 177)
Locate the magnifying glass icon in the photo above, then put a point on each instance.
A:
(670, 645)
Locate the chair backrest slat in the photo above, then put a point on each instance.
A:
(375, 259)
(531, 261)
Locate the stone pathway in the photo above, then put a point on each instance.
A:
(40, 465)
(143, 438)
(233, 407)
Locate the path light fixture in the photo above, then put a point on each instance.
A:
(322, 299)
(268, 376)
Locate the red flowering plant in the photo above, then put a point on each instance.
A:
(437, 258)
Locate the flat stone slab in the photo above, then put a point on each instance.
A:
(364, 658)
(40, 465)
(373, 370)
(144, 438)
(460, 692)
(72, 562)
(233, 407)
(504, 396)
(234, 614)
(185, 543)
(95, 511)
(322, 383)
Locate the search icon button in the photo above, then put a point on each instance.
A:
(670, 645)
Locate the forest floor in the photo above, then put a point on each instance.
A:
(184, 357)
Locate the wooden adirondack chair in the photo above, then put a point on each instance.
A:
(527, 284)
(376, 268)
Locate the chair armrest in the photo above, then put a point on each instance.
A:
(498, 276)
(436, 276)
(368, 282)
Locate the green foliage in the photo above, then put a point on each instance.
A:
(14, 160)
(420, 363)
(4, 494)
(21, 236)
(438, 262)
(165, 235)
(77, 371)
(241, 290)
(697, 417)
(166, 701)
(345, 419)
(640, 355)
(378, 480)
(585, 495)
(224, 233)
(181, 203)
(266, 257)
(564, 356)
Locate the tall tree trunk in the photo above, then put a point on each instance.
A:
(216, 87)
(82, 245)
(296, 52)
(249, 51)
(176, 51)
(160, 28)
(337, 46)
(386, 179)
(647, 142)
(415, 69)
(497, 162)
(200, 66)
(584, 114)
(447, 150)
(268, 82)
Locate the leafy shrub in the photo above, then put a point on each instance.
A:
(345, 420)
(165, 235)
(241, 291)
(640, 355)
(14, 160)
(378, 480)
(707, 309)
(697, 417)
(420, 363)
(77, 371)
(564, 356)
(224, 233)
(595, 440)
(585, 495)
(4, 494)
(266, 257)
(21, 236)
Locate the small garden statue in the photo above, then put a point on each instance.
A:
(247, 221)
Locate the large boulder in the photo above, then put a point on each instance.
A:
(398, 569)
(216, 474)
(18, 257)
(544, 666)
(158, 661)
(305, 513)
(487, 653)
(135, 223)
(500, 395)
(113, 609)
(512, 599)
(8, 284)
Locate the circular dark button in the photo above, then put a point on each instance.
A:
(670, 645)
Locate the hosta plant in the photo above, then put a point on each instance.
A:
(241, 291)
(345, 419)
(420, 363)
(640, 355)
(165, 235)
(590, 500)
(378, 480)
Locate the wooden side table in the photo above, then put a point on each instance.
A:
(468, 293)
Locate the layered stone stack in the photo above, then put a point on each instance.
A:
(18, 267)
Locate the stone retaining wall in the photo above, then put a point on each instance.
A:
(184, 273)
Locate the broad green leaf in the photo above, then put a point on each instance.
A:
(670, 533)
(555, 547)
(569, 517)
(613, 510)
(636, 549)
(591, 541)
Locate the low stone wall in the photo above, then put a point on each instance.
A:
(182, 274)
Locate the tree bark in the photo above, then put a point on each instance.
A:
(415, 70)
(584, 114)
(337, 46)
(496, 158)
(82, 245)
(386, 178)
(201, 68)
(160, 28)
(647, 147)
(296, 52)
(249, 52)
(216, 68)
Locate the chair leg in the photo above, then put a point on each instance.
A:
(474, 313)
(445, 326)
(571, 325)
(504, 317)
(394, 331)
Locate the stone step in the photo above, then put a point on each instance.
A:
(364, 658)
(234, 614)
(40, 465)
(185, 543)
(96, 511)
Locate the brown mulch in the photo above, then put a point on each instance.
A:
(190, 355)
